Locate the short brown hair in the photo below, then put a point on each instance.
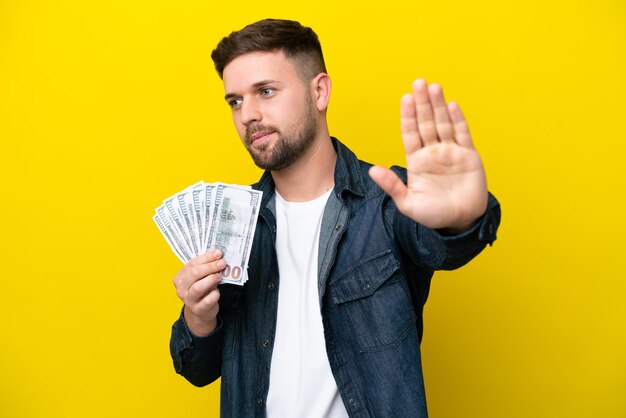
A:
(298, 43)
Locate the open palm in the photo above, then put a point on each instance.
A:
(446, 185)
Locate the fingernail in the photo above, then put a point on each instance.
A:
(221, 263)
(419, 83)
(217, 253)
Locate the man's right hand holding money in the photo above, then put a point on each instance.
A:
(196, 285)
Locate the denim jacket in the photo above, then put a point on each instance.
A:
(374, 269)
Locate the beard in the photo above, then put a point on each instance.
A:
(288, 148)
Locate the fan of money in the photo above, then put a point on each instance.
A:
(212, 215)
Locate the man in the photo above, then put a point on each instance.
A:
(330, 322)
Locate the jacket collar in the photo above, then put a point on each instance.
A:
(348, 175)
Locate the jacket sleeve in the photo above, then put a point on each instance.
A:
(440, 251)
(198, 359)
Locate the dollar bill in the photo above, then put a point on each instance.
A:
(176, 217)
(199, 209)
(233, 226)
(169, 227)
(170, 239)
(184, 205)
(212, 215)
(209, 199)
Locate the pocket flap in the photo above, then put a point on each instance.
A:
(365, 278)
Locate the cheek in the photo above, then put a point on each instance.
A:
(240, 128)
(287, 117)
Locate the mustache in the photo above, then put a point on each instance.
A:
(257, 127)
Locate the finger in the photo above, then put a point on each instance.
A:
(199, 271)
(191, 273)
(207, 306)
(425, 117)
(202, 287)
(390, 183)
(442, 119)
(461, 130)
(211, 299)
(408, 125)
(206, 257)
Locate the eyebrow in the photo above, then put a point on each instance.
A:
(255, 85)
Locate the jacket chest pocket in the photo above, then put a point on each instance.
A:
(374, 301)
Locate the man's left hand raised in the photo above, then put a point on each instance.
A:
(446, 184)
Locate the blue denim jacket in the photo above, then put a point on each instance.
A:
(375, 267)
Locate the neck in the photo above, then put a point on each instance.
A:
(312, 175)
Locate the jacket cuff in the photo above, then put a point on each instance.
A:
(484, 229)
(464, 246)
(186, 346)
(438, 250)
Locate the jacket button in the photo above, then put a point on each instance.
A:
(338, 227)
(352, 401)
(270, 285)
(266, 343)
(259, 401)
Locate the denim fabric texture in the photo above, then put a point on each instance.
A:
(375, 267)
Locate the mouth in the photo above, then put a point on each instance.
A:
(258, 138)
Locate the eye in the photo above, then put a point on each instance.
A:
(267, 91)
(234, 103)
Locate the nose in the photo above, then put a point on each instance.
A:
(250, 112)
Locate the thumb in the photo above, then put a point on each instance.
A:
(390, 183)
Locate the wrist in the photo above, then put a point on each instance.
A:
(198, 326)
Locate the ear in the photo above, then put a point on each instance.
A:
(320, 89)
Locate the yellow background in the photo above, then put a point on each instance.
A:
(108, 107)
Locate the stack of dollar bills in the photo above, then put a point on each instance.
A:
(212, 215)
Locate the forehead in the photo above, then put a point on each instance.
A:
(248, 69)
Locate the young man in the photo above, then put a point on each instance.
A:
(330, 322)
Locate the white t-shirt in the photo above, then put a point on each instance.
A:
(301, 382)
